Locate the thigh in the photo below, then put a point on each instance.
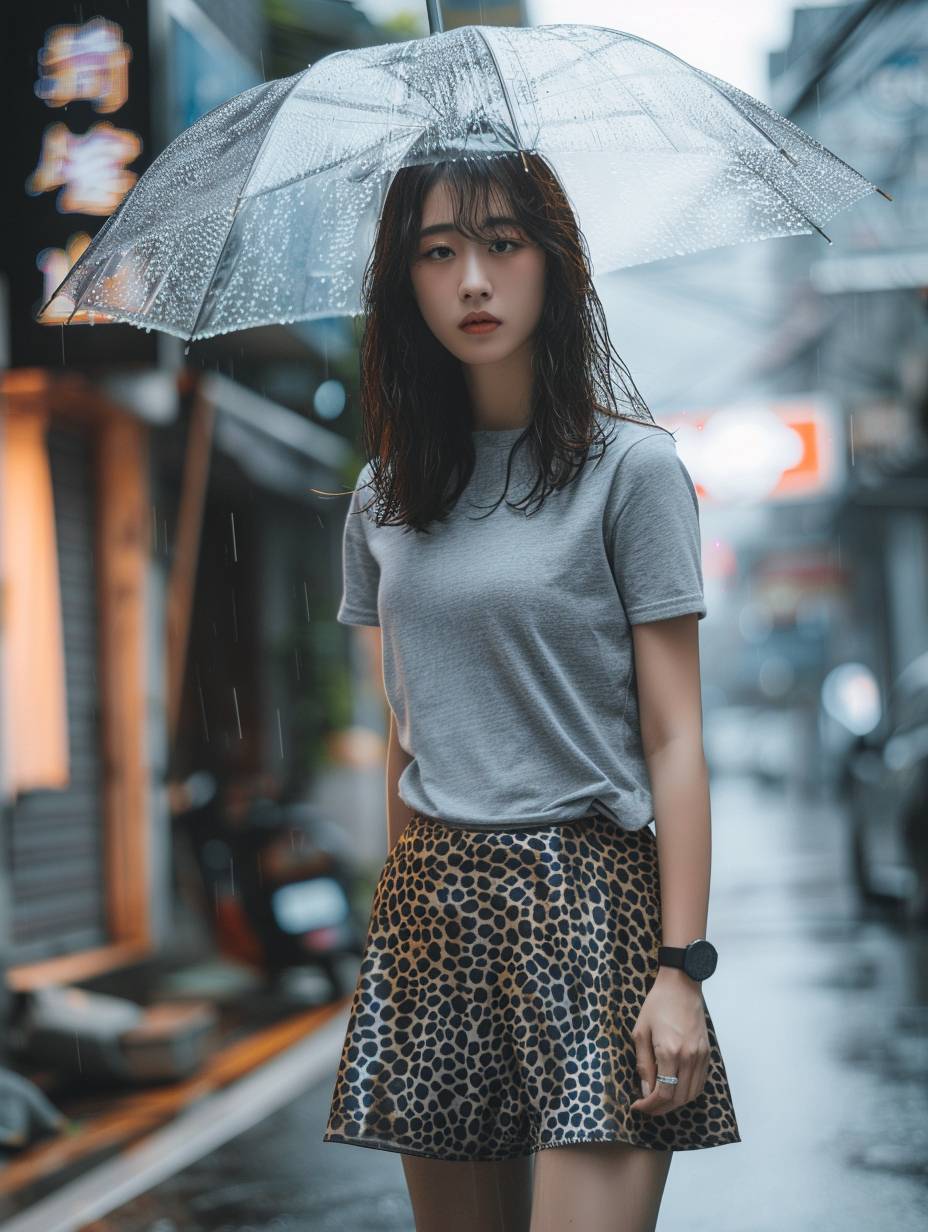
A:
(599, 1187)
(455, 1196)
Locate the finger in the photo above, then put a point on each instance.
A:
(645, 1064)
(661, 1097)
(657, 1103)
(647, 1078)
(688, 1074)
(698, 1073)
(668, 1065)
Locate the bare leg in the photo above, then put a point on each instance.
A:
(454, 1196)
(598, 1187)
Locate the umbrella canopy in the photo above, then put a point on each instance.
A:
(265, 210)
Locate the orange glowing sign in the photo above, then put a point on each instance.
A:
(777, 450)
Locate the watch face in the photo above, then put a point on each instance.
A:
(700, 960)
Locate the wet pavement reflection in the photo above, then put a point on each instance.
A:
(822, 1017)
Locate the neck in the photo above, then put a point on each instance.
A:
(501, 392)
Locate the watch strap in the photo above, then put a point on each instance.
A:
(671, 955)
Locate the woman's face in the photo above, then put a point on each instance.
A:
(453, 276)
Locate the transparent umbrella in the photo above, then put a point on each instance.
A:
(265, 210)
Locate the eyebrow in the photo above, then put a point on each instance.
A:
(494, 220)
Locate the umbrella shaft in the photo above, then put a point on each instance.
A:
(436, 26)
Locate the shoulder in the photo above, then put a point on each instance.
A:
(636, 449)
(361, 484)
(645, 465)
(361, 500)
(364, 488)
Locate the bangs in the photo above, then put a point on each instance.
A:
(477, 191)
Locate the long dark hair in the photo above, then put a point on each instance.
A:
(416, 416)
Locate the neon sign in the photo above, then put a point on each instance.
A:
(82, 63)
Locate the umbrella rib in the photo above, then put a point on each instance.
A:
(340, 106)
(792, 205)
(238, 203)
(707, 78)
(305, 175)
(645, 110)
(388, 71)
(515, 127)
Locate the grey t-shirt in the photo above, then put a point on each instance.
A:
(507, 653)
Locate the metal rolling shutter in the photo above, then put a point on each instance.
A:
(56, 837)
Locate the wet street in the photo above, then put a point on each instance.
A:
(823, 1023)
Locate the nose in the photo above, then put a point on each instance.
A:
(474, 279)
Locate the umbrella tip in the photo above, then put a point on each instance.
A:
(883, 194)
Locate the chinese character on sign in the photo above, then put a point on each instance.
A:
(91, 170)
(85, 62)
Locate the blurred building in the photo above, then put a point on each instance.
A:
(169, 580)
(855, 315)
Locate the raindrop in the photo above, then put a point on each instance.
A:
(238, 717)
(202, 705)
(280, 734)
(234, 543)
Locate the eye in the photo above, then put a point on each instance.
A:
(444, 247)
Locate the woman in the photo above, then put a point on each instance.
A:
(540, 657)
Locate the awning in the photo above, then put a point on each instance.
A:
(871, 271)
(276, 447)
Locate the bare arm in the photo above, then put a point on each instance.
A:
(671, 1036)
(398, 812)
(670, 709)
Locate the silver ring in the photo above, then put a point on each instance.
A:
(670, 1079)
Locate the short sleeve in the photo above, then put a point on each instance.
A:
(652, 533)
(360, 571)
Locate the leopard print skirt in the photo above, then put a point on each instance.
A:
(501, 979)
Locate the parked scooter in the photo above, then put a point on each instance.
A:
(275, 877)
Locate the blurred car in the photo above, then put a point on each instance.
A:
(884, 784)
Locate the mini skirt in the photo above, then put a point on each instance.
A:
(501, 978)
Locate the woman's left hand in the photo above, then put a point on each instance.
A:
(671, 1038)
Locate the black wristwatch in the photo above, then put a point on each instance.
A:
(698, 959)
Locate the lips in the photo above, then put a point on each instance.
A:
(479, 318)
(480, 323)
